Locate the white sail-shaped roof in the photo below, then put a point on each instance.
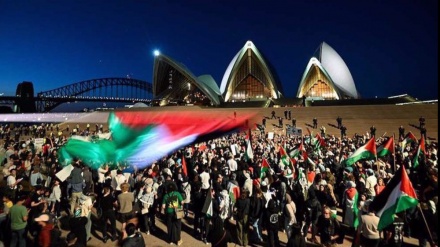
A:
(228, 84)
(335, 69)
(162, 65)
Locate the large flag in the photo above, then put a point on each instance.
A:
(141, 137)
(387, 148)
(367, 151)
(264, 168)
(397, 196)
(421, 153)
(184, 167)
(285, 158)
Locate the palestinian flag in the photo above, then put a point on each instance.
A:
(397, 196)
(386, 149)
(249, 154)
(234, 192)
(299, 151)
(367, 151)
(409, 138)
(141, 137)
(421, 153)
(319, 141)
(264, 168)
(285, 158)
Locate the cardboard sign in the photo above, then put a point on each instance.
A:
(290, 130)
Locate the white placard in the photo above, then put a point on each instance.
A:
(38, 143)
(234, 149)
(270, 135)
(64, 173)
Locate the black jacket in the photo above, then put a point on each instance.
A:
(136, 241)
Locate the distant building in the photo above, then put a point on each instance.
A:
(327, 77)
(249, 76)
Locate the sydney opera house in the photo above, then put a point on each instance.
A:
(249, 77)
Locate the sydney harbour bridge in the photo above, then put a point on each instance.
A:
(123, 90)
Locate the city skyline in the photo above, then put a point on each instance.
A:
(390, 48)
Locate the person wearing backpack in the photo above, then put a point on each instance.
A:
(313, 211)
(171, 202)
(273, 213)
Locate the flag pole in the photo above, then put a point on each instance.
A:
(394, 155)
(426, 223)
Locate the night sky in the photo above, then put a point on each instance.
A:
(390, 47)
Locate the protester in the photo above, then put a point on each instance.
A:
(19, 216)
(171, 202)
(107, 203)
(44, 237)
(133, 239)
(328, 228)
(241, 209)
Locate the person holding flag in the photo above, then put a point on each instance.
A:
(265, 168)
(409, 138)
(398, 195)
(420, 154)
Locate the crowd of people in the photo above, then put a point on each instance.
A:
(229, 196)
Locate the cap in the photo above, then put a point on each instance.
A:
(43, 217)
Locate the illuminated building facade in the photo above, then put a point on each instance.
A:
(327, 77)
(248, 77)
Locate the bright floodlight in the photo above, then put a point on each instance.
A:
(156, 53)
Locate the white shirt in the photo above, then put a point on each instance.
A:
(370, 184)
(232, 165)
(119, 179)
(205, 177)
(101, 173)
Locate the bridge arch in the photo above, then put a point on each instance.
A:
(120, 89)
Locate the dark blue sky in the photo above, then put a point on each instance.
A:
(390, 47)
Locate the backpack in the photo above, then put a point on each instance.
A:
(182, 192)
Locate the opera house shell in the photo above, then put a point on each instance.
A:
(173, 82)
(327, 77)
(249, 77)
